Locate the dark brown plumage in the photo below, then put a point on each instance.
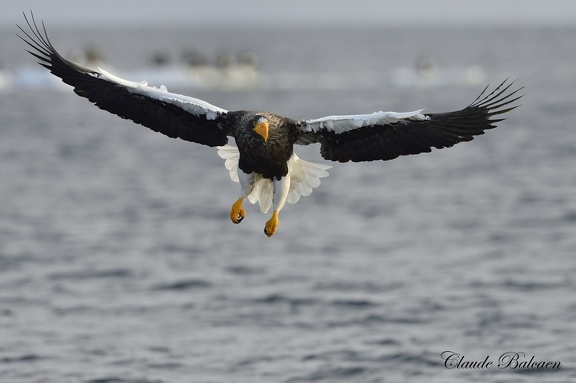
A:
(270, 157)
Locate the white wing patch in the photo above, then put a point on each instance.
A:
(344, 123)
(304, 177)
(190, 104)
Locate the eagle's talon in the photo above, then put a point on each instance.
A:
(237, 213)
(271, 225)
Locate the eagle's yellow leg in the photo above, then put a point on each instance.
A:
(271, 224)
(237, 213)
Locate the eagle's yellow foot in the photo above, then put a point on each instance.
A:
(271, 224)
(237, 213)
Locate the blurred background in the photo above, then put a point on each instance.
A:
(118, 262)
(322, 13)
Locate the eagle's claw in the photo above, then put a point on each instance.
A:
(271, 225)
(237, 213)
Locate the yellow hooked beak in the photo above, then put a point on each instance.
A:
(262, 128)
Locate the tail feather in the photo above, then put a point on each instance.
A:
(262, 192)
(304, 177)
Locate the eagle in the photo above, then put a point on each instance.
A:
(263, 160)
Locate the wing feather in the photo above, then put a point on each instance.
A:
(387, 135)
(172, 114)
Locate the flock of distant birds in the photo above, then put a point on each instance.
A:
(242, 72)
(229, 72)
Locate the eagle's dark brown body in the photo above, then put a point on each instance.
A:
(268, 158)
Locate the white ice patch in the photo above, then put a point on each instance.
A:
(304, 177)
(344, 123)
(190, 104)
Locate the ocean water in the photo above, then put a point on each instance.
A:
(118, 262)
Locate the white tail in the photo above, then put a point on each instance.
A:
(304, 177)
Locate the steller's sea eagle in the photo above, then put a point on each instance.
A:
(264, 162)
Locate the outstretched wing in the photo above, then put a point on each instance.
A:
(387, 135)
(174, 115)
